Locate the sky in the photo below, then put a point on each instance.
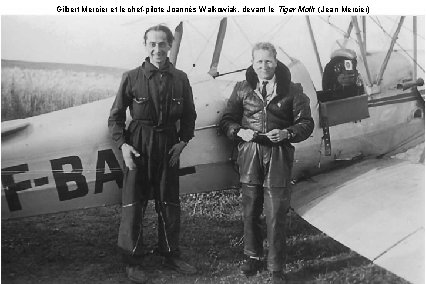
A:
(117, 40)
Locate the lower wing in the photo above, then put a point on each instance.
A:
(376, 208)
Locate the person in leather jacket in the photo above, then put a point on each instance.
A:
(265, 114)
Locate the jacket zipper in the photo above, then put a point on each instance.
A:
(264, 115)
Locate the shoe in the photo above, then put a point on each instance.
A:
(136, 274)
(251, 266)
(133, 260)
(278, 277)
(176, 263)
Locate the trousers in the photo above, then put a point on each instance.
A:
(275, 202)
(130, 236)
(153, 179)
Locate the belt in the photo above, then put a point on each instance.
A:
(156, 128)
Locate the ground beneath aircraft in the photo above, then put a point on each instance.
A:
(80, 247)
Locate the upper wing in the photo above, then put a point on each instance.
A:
(375, 207)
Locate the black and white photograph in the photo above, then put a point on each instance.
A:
(223, 148)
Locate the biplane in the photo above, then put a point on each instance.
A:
(367, 105)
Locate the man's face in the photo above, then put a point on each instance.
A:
(157, 47)
(264, 64)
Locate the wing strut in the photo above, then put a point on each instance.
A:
(346, 36)
(414, 47)
(390, 50)
(218, 48)
(364, 32)
(314, 43)
(361, 46)
(176, 43)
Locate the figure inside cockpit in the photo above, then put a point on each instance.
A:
(341, 78)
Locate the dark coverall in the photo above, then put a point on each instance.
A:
(157, 99)
(265, 167)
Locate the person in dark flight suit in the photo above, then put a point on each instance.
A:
(158, 96)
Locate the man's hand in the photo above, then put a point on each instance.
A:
(128, 152)
(175, 153)
(277, 135)
(246, 134)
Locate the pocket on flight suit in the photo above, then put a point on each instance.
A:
(140, 105)
(176, 109)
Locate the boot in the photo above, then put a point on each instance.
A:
(178, 264)
(278, 277)
(136, 274)
(251, 266)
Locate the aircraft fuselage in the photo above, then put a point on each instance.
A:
(65, 159)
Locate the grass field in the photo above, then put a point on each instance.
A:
(29, 89)
(80, 247)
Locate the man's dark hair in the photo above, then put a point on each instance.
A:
(162, 28)
(265, 46)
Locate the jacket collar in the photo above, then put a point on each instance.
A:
(149, 69)
(282, 76)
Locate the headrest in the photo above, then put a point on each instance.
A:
(344, 52)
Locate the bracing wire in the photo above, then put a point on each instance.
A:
(242, 31)
(405, 28)
(208, 41)
(279, 27)
(344, 33)
(390, 36)
(272, 33)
